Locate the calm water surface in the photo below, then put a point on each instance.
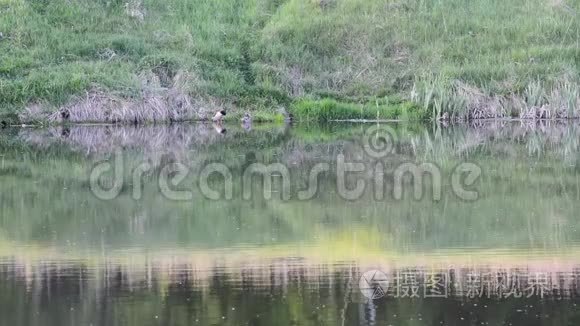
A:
(509, 257)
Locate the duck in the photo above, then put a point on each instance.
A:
(247, 121)
(65, 114)
(219, 128)
(219, 116)
(247, 118)
(288, 117)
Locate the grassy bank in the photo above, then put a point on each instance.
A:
(137, 60)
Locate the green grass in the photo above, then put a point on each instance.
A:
(332, 110)
(257, 55)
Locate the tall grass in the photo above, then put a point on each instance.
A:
(333, 110)
(259, 54)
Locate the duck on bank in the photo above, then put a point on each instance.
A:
(247, 121)
(219, 116)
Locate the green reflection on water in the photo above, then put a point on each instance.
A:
(529, 189)
(528, 195)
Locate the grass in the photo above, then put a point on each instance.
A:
(469, 59)
(332, 110)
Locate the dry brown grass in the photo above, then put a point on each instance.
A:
(461, 101)
(479, 104)
(156, 104)
(135, 9)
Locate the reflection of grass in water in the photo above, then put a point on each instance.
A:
(520, 208)
(359, 247)
(278, 290)
(424, 226)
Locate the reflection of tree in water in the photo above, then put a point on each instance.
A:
(282, 293)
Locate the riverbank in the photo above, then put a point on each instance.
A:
(160, 61)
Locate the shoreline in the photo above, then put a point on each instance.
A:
(266, 122)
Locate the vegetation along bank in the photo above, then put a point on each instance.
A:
(134, 61)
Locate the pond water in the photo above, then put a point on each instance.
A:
(173, 225)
